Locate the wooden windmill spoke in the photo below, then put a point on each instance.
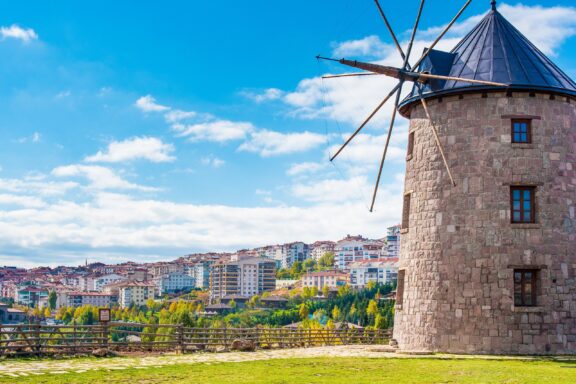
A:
(350, 75)
(474, 81)
(392, 120)
(409, 50)
(437, 139)
(390, 30)
(442, 34)
(396, 89)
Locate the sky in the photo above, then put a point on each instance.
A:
(149, 130)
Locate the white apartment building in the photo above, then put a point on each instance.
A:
(289, 253)
(135, 292)
(330, 279)
(382, 271)
(173, 282)
(200, 272)
(96, 299)
(356, 248)
(247, 277)
(393, 241)
(100, 282)
(319, 248)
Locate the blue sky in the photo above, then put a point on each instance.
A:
(149, 130)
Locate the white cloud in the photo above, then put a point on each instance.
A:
(21, 200)
(36, 185)
(100, 178)
(148, 148)
(270, 143)
(547, 27)
(269, 94)
(112, 223)
(218, 131)
(368, 46)
(16, 32)
(178, 115)
(212, 161)
(148, 104)
(33, 138)
(306, 168)
(63, 94)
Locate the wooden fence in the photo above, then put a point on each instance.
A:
(37, 339)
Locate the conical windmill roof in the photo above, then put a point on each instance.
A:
(494, 51)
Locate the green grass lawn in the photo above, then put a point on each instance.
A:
(327, 370)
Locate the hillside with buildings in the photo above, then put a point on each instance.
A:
(213, 279)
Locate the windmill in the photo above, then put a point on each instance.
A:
(406, 73)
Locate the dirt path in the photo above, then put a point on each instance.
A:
(21, 368)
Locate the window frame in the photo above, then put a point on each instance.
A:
(400, 284)
(533, 287)
(522, 188)
(528, 123)
(410, 149)
(406, 211)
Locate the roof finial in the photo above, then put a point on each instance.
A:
(493, 3)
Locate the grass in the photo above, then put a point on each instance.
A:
(329, 370)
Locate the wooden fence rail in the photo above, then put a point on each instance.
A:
(39, 339)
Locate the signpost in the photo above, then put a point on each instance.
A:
(104, 318)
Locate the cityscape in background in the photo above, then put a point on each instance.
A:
(228, 278)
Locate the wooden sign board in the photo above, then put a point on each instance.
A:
(104, 315)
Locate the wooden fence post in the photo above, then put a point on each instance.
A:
(38, 343)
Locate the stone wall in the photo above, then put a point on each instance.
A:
(460, 250)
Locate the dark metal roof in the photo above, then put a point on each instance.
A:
(493, 51)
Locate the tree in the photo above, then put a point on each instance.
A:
(326, 261)
(52, 299)
(336, 313)
(325, 291)
(232, 304)
(309, 265)
(380, 322)
(314, 291)
(296, 270)
(47, 312)
(306, 293)
(372, 309)
(303, 311)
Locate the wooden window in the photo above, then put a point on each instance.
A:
(406, 212)
(522, 204)
(400, 287)
(410, 145)
(525, 285)
(521, 131)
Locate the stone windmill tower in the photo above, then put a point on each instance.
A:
(488, 250)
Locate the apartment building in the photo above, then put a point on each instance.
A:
(356, 248)
(135, 292)
(289, 253)
(381, 271)
(173, 282)
(246, 277)
(393, 241)
(96, 299)
(330, 279)
(319, 248)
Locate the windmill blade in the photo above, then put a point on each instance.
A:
(442, 34)
(395, 89)
(350, 75)
(437, 139)
(409, 50)
(392, 120)
(473, 81)
(398, 47)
